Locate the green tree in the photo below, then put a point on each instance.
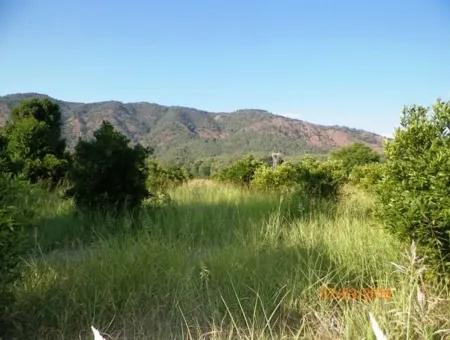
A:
(107, 173)
(284, 176)
(241, 171)
(367, 176)
(415, 190)
(353, 155)
(33, 141)
(161, 179)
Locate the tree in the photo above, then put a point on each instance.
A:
(241, 171)
(353, 155)
(33, 141)
(367, 176)
(161, 179)
(107, 173)
(415, 189)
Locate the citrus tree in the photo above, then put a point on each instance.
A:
(415, 190)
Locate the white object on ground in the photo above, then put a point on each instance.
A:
(376, 328)
(97, 335)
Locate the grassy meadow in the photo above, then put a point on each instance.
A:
(221, 261)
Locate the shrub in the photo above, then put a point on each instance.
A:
(320, 179)
(15, 193)
(107, 173)
(367, 176)
(5, 162)
(12, 247)
(313, 178)
(201, 168)
(284, 176)
(161, 179)
(13, 240)
(415, 191)
(353, 155)
(241, 171)
(33, 141)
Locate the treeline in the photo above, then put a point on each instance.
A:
(315, 177)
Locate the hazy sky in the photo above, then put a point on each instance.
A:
(352, 62)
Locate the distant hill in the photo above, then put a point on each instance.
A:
(181, 133)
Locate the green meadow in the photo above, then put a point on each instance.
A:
(220, 261)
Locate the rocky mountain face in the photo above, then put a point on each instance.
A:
(183, 134)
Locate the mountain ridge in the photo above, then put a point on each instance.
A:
(180, 133)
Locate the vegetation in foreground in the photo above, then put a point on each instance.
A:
(223, 261)
(112, 238)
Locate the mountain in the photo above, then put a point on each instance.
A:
(182, 134)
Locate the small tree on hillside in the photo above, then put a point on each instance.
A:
(107, 173)
(415, 189)
(33, 141)
(353, 155)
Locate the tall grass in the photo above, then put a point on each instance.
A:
(223, 262)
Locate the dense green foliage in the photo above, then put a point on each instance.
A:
(415, 192)
(310, 177)
(367, 176)
(354, 155)
(12, 246)
(107, 173)
(284, 176)
(5, 162)
(31, 144)
(160, 179)
(321, 179)
(12, 240)
(201, 168)
(240, 172)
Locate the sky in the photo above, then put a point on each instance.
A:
(348, 62)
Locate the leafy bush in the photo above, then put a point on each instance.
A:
(415, 191)
(284, 176)
(241, 171)
(313, 178)
(107, 173)
(161, 179)
(201, 168)
(367, 176)
(320, 179)
(5, 162)
(12, 247)
(15, 193)
(13, 240)
(353, 155)
(33, 143)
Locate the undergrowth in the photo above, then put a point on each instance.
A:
(220, 261)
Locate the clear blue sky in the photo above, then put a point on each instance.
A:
(352, 62)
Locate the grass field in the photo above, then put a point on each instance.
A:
(222, 262)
